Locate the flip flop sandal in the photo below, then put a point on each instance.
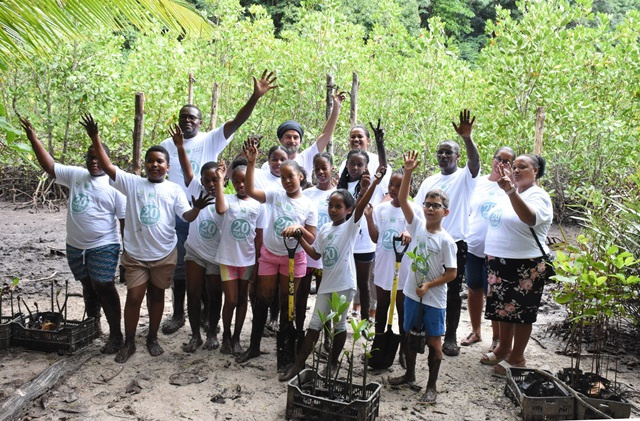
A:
(471, 339)
(490, 359)
(500, 369)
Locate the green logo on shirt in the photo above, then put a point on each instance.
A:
(329, 256)
(281, 223)
(207, 229)
(149, 214)
(79, 203)
(240, 229)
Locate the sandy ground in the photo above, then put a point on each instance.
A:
(30, 244)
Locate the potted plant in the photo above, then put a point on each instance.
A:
(313, 395)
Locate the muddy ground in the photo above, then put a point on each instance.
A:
(32, 249)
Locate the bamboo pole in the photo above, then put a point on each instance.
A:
(214, 106)
(138, 132)
(329, 101)
(353, 117)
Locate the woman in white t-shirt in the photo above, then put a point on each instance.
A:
(516, 265)
(485, 196)
(288, 211)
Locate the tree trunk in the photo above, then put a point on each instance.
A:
(329, 100)
(537, 146)
(190, 94)
(138, 132)
(214, 106)
(353, 117)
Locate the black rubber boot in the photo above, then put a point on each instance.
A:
(91, 302)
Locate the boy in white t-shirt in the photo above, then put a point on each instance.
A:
(425, 289)
(93, 241)
(149, 236)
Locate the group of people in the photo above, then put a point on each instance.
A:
(181, 230)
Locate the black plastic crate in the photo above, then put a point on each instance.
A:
(5, 332)
(69, 337)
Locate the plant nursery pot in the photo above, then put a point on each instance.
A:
(303, 405)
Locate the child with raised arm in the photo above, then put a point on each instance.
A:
(149, 236)
(288, 211)
(93, 242)
(427, 286)
(241, 234)
(201, 248)
(334, 244)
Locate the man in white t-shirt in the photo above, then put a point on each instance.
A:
(201, 148)
(459, 184)
(93, 240)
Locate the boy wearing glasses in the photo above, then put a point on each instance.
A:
(202, 147)
(425, 289)
(459, 184)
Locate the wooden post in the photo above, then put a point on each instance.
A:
(214, 106)
(138, 132)
(329, 101)
(537, 145)
(353, 117)
(190, 93)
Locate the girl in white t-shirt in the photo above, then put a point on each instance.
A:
(319, 194)
(335, 243)
(289, 211)
(269, 178)
(241, 235)
(364, 250)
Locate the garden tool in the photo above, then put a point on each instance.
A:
(287, 334)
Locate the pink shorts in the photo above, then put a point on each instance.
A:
(271, 264)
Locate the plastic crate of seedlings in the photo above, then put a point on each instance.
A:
(539, 394)
(5, 331)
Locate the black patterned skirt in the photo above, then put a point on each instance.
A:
(515, 289)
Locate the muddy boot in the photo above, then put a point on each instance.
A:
(450, 346)
(176, 321)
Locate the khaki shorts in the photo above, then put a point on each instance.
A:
(158, 272)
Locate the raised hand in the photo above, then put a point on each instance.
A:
(221, 171)
(365, 180)
(378, 132)
(176, 134)
(465, 126)
(265, 84)
(339, 98)
(28, 128)
(89, 125)
(380, 172)
(251, 149)
(202, 201)
(411, 160)
(505, 182)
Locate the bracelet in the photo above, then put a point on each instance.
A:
(513, 190)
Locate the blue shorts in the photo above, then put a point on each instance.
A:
(98, 264)
(476, 272)
(432, 318)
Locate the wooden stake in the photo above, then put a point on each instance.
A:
(138, 133)
(354, 100)
(214, 106)
(537, 146)
(190, 93)
(329, 101)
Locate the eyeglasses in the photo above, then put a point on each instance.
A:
(503, 161)
(433, 205)
(188, 117)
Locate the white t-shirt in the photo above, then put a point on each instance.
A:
(204, 231)
(459, 187)
(304, 159)
(285, 211)
(483, 199)
(374, 163)
(94, 208)
(202, 148)
(264, 180)
(509, 237)
(390, 223)
(363, 240)
(239, 231)
(440, 250)
(150, 219)
(335, 244)
(320, 198)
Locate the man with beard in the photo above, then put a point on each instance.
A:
(202, 147)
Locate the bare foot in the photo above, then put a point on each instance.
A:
(193, 344)
(127, 350)
(113, 345)
(226, 347)
(247, 355)
(405, 379)
(154, 347)
(211, 343)
(429, 398)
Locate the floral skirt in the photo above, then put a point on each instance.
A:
(515, 289)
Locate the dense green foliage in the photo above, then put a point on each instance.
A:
(557, 54)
